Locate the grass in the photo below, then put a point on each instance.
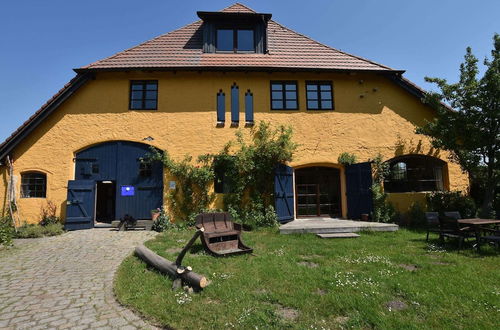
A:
(303, 282)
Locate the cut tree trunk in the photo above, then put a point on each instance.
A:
(170, 268)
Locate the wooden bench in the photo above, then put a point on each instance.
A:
(221, 236)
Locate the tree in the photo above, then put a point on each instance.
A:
(470, 130)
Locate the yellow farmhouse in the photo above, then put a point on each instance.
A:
(189, 90)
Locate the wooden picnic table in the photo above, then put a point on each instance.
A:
(475, 223)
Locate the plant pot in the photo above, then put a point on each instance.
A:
(365, 217)
(155, 215)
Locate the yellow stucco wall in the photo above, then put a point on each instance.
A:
(372, 115)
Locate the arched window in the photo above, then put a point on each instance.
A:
(415, 173)
(33, 185)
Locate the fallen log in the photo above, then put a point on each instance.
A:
(170, 268)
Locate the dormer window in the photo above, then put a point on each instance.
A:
(234, 32)
(235, 40)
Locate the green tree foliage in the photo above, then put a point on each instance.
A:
(471, 131)
(346, 158)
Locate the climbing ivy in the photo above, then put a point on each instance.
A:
(247, 163)
(383, 211)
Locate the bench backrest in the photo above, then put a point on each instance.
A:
(215, 222)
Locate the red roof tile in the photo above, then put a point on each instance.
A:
(288, 49)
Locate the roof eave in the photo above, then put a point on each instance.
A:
(234, 69)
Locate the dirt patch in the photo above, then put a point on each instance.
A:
(308, 264)
(409, 267)
(321, 292)
(341, 319)
(396, 305)
(287, 313)
(260, 291)
(173, 250)
(312, 256)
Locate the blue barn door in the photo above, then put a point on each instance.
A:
(143, 180)
(359, 194)
(80, 205)
(283, 193)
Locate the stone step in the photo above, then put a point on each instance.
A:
(338, 235)
(146, 224)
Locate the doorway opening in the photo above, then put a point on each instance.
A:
(105, 201)
(318, 192)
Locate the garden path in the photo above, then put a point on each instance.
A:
(66, 282)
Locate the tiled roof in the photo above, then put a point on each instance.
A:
(182, 48)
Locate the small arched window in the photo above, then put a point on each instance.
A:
(415, 173)
(398, 171)
(33, 185)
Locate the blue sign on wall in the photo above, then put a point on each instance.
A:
(128, 191)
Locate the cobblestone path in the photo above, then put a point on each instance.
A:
(66, 282)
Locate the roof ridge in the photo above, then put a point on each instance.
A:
(330, 47)
(238, 4)
(88, 66)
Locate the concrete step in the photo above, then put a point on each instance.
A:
(338, 235)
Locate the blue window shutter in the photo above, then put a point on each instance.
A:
(235, 104)
(221, 106)
(249, 107)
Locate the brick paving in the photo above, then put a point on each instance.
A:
(66, 282)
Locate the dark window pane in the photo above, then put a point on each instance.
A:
(326, 87)
(277, 87)
(312, 87)
(136, 105)
(291, 104)
(326, 95)
(277, 95)
(152, 87)
(151, 95)
(225, 40)
(312, 95)
(291, 87)
(150, 104)
(277, 104)
(136, 95)
(312, 104)
(291, 95)
(245, 40)
(137, 87)
(326, 104)
(33, 185)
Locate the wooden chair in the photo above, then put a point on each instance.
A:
(221, 236)
(433, 224)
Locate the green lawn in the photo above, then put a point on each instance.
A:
(380, 280)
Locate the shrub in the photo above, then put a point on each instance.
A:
(48, 214)
(162, 222)
(53, 229)
(29, 231)
(37, 231)
(416, 215)
(346, 158)
(6, 231)
(443, 201)
(256, 217)
(383, 210)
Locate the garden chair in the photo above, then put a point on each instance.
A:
(433, 224)
(221, 236)
(450, 228)
(492, 237)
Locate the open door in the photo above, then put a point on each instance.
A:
(359, 194)
(283, 193)
(80, 205)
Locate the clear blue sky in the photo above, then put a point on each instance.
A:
(42, 41)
